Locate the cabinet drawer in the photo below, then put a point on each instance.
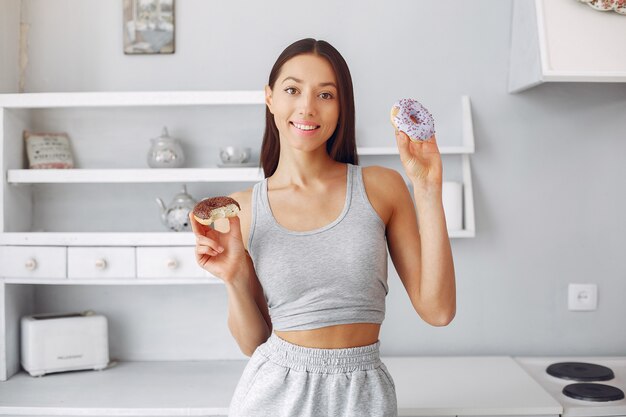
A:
(168, 262)
(101, 262)
(43, 262)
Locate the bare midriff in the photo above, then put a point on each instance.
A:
(333, 337)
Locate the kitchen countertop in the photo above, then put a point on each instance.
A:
(425, 386)
(471, 386)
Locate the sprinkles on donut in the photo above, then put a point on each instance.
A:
(210, 209)
(410, 117)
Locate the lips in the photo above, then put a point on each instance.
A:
(305, 126)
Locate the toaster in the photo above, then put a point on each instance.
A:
(53, 342)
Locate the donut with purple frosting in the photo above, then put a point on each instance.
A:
(412, 118)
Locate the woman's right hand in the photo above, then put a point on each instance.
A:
(228, 264)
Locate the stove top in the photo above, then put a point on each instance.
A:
(584, 386)
(580, 371)
(593, 392)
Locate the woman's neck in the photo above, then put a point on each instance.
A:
(305, 169)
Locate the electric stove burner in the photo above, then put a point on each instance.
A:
(593, 392)
(580, 371)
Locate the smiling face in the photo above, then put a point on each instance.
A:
(304, 102)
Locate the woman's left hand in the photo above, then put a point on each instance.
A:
(421, 160)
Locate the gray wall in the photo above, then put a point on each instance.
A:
(548, 166)
(9, 45)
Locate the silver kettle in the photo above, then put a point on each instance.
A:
(165, 152)
(176, 215)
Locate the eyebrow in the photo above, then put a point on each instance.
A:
(300, 81)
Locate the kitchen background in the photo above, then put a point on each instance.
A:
(548, 172)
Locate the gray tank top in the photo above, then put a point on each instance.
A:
(333, 275)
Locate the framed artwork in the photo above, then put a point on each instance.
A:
(148, 27)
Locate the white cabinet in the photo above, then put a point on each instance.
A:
(98, 224)
(100, 262)
(564, 41)
(28, 262)
(168, 262)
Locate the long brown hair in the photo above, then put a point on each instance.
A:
(342, 144)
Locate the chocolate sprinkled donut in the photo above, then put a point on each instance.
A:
(410, 117)
(211, 209)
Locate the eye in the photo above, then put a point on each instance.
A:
(290, 90)
(326, 96)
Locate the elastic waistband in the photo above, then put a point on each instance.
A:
(302, 358)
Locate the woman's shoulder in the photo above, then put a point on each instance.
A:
(383, 179)
(382, 186)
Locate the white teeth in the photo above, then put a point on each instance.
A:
(305, 127)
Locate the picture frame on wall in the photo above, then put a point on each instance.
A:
(149, 27)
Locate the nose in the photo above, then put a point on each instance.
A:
(307, 104)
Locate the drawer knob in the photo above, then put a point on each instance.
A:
(172, 263)
(30, 264)
(101, 264)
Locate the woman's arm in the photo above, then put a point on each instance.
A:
(248, 318)
(437, 286)
(417, 234)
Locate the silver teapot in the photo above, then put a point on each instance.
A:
(176, 215)
(165, 152)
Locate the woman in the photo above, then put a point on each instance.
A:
(305, 261)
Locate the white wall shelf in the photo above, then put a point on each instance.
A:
(15, 175)
(392, 150)
(108, 176)
(120, 281)
(130, 98)
(97, 239)
(560, 41)
(122, 238)
(104, 176)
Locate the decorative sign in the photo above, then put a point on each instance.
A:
(48, 150)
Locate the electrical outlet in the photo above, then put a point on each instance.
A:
(582, 297)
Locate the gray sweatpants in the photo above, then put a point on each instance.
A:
(283, 379)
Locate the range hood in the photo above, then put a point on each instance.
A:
(565, 41)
